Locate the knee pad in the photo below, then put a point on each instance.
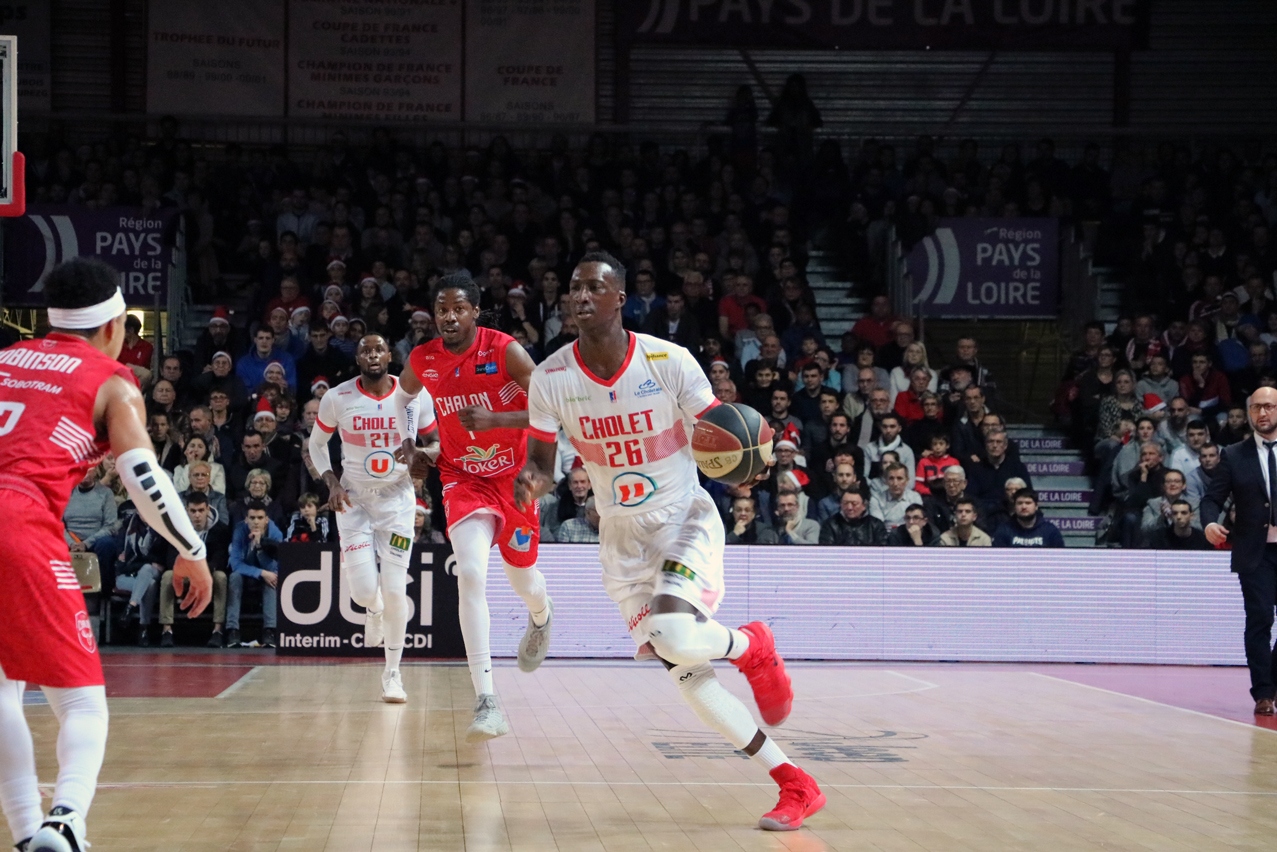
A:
(359, 563)
(679, 638)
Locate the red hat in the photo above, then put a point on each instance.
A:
(320, 381)
(800, 478)
(577, 462)
(264, 407)
(1153, 402)
(422, 507)
(220, 315)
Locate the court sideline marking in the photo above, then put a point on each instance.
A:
(239, 684)
(1247, 725)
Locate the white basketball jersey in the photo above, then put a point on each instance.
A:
(368, 431)
(632, 431)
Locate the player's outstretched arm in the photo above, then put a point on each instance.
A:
(121, 408)
(537, 477)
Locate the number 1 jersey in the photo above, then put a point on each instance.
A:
(631, 431)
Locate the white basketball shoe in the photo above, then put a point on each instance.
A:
(63, 831)
(535, 642)
(489, 722)
(392, 691)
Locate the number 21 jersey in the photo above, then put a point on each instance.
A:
(369, 432)
(631, 431)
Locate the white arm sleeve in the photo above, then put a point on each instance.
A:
(317, 444)
(157, 501)
(405, 413)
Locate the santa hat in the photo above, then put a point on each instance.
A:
(339, 318)
(1153, 403)
(276, 364)
(300, 309)
(264, 409)
(279, 310)
(786, 444)
(221, 354)
(336, 263)
(421, 314)
(320, 382)
(796, 476)
(422, 507)
(221, 316)
(366, 279)
(791, 434)
(328, 291)
(577, 463)
(517, 291)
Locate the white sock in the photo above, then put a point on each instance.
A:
(770, 755)
(82, 721)
(19, 787)
(740, 644)
(394, 591)
(529, 584)
(471, 543)
(714, 705)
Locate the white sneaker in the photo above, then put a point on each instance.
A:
(374, 629)
(536, 641)
(392, 691)
(488, 721)
(63, 831)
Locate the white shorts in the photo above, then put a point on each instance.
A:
(380, 518)
(677, 550)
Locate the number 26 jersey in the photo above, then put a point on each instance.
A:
(631, 431)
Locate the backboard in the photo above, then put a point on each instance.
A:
(12, 172)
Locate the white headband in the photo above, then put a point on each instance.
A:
(90, 317)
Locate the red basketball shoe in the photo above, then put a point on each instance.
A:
(765, 671)
(800, 797)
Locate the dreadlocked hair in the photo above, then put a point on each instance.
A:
(459, 280)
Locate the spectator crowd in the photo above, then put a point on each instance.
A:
(879, 441)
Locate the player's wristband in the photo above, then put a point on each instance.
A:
(405, 414)
(157, 501)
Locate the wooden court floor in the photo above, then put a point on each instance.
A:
(603, 756)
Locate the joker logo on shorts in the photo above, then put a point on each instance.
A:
(84, 630)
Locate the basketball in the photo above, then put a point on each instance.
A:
(732, 444)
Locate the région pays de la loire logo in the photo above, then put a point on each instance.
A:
(486, 461)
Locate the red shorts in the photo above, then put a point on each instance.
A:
(518, 532)
(47, 637)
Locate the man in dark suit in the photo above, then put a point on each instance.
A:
(1248, 474)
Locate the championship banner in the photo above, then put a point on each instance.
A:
(889, 24)
(392, 60)
(317, 618)
(223, 58)
(137, 243)
(30, 23)
(988, 268)
(530, 61)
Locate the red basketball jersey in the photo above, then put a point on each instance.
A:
(47, 392)
(475, 377)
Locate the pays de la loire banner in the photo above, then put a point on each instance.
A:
(137, 243)
(215, 58)
(318, 618)
(995, 268)
(530, 61)
(393, 60)
(889, 24)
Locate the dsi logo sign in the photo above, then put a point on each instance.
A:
(987, 268)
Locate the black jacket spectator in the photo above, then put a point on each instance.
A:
(865, 530)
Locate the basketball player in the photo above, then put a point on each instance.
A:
(64, 403)
(627, 401)
(373, 501)
(478, 378)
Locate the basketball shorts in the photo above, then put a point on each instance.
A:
(47, 637)
(518, 532)
(379, 517)
(676, 550)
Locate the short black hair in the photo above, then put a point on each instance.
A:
(459, 280)
(1026, 492)
(1181, 502)
(196, 498)
(255, 506)
(79, 283)
(607, 258)
(1197, 424)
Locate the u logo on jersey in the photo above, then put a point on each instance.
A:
(379, 464)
